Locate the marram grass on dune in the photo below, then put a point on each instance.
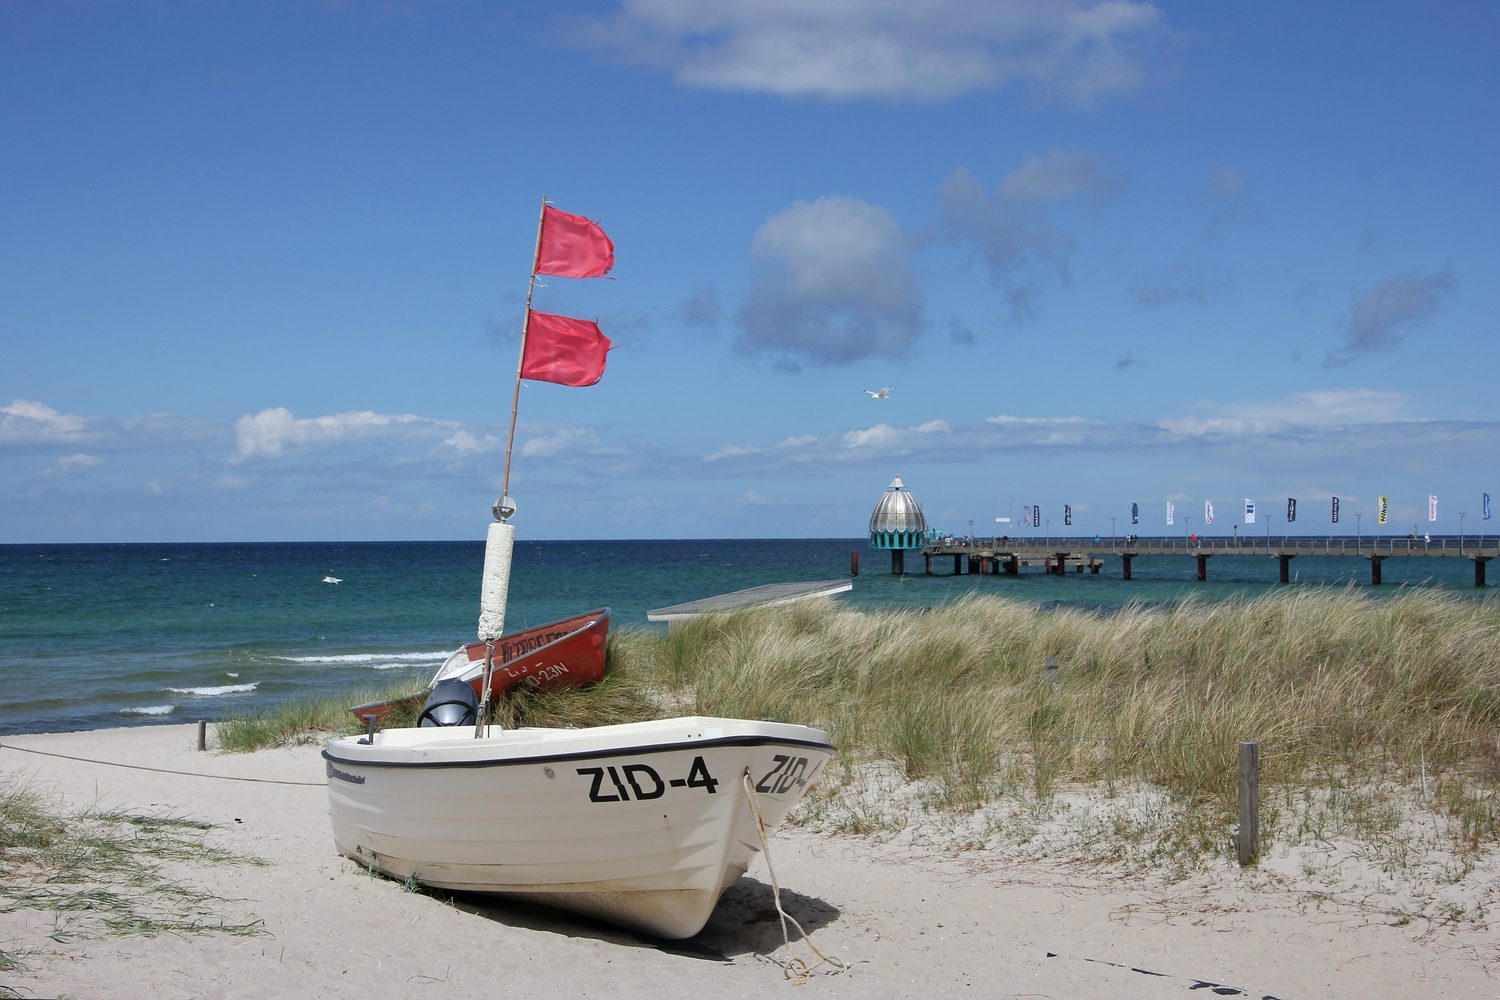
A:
(1339, 689)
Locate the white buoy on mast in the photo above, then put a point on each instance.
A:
(498, 546)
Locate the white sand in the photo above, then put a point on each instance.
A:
(913, 922)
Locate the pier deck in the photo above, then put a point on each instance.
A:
(1006, 555)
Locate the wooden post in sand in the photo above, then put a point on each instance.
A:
(202, 734)
(1248, 842)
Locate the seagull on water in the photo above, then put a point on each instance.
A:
(881, 394)
(332, 579)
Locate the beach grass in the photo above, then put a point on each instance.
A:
(1344, 693)
(1347, 694)
(301, 721)
(107, 873)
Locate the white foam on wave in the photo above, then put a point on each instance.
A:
(391, 660)
(148, 710)
(209, 692)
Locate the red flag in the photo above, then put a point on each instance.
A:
(573, 247)
(563, 350)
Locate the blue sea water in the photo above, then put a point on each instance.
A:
(94, 636)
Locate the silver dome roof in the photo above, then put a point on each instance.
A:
(898, 510)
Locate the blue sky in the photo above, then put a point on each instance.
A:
(262, 265)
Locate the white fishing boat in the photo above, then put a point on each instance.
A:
(643, 825)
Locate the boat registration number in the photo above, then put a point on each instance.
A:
(642, 782)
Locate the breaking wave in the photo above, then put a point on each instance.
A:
(209, 692)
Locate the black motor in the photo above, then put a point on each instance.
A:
(452, 703)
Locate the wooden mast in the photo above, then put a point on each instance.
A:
(515, 402)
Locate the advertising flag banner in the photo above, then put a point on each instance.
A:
(1208, 512)
(573, 247)
(1170, 511)
(1135, 512)
(1249, 511)
(563, 350)
(1486, 506)
(1335, 510)
(1384, 507)
(1291, 509)
(1036, 516)
(1432, 508)
(1067, 513)
(1025, 517)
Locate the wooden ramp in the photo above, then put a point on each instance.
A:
(770, 594)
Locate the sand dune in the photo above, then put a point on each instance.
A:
(911, 921)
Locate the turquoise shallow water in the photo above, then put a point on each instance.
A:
(110, 635)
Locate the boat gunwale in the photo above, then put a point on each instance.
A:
(595, 617)
(724, 741)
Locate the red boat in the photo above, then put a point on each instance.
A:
(566, 653)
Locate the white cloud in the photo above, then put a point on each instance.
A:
(750, 498)
(1061, 174)
(26, 424)
(270, 432)
(561, 440)
(832, 285)
(27, 421)
(928, 50)
(466, 441)
(70, 464)
(1326, 426)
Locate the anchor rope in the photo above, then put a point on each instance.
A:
(163, 770)
(805, 975)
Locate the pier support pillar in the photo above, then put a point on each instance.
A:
(958, 565)
(1286, 567)
(1078, 568)
(898, 562)
(1478, 570)
(1013, 566)
(1125, 561)
(1094, 565)
(1203, 567)
(973, 564)
(929, 563)
(984, 566)
(854, 564)
(1375, 562)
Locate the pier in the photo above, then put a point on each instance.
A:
(1006, 556)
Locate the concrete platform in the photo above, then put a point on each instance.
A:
(769, 594)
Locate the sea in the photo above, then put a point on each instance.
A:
(104, 635)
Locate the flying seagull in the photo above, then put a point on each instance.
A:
(881, 394)
(332, 579)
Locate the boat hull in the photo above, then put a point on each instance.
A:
(565, 653)
(642, 825)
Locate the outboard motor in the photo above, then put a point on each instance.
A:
(452, 703)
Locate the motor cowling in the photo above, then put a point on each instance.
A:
(451, 703)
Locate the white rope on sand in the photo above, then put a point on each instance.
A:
(798, 978)
(162, 770)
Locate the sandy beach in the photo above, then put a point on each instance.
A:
(910, 920)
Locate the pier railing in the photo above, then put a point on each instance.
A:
(1286, 545)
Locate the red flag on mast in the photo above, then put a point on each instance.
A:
(564, 350)
(573, 247)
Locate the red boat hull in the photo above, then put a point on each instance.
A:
(560, 654)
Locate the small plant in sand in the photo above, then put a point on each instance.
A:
(107, 873)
